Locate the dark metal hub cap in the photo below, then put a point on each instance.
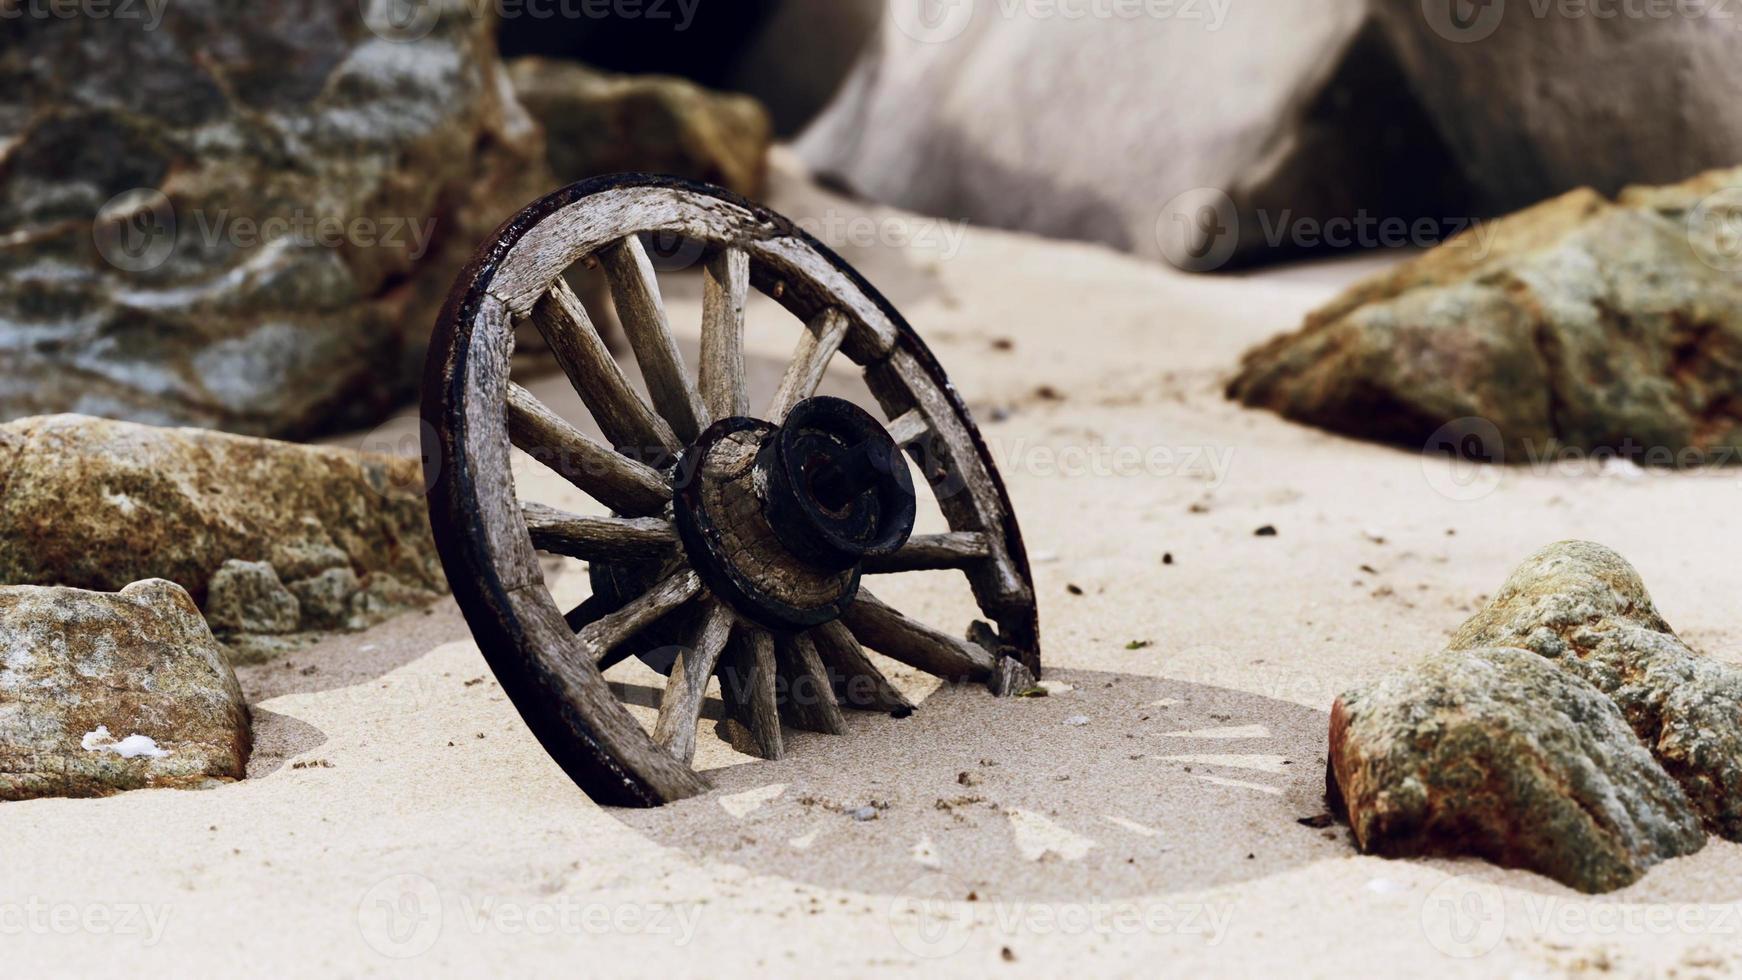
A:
(777, 519)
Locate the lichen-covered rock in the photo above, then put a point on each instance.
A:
(247, 597)
(247, 220)
(1585, 609)
(97, 504)
(1582, 323)
(102, 692)
(1498, 753)
(600, 123)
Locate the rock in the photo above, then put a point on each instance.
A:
(1215, 133)
(1500, 754)
(791, 55)
(245, 223)
(1585, 609)
(97, 504)
(599, 123)
(1580, 325)
(104, 692)
(1534, 101)
(247, 597)
(325, 599)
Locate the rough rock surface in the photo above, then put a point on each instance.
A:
(249, 527)
(1244, 128)
(599, 123)
(1537, 99)
(1584, 608)
(1582, 324)
(1496, 753)
(1566, 730)
(101, 692)
(244, 222)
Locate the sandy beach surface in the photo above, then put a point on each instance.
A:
(1145, 818)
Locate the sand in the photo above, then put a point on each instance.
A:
(1142, 819)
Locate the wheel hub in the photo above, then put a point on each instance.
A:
(777, 519)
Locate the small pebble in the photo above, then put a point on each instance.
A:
(863, 813)
(1267, 531)
(1167, 558)
(1074, 589)
(1077, 720)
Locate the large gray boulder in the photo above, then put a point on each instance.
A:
(102, 692)
(244, 221)
(1580, 327)
(1538, 98)
(1209, 133)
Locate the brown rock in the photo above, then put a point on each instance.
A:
(599, 123)
(105, 692)
(97, 504)
(1582, 323)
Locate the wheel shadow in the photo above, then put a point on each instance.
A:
(1106, 789)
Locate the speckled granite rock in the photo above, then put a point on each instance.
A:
(1584, 608)
(1582, 322)
(1568, 675)
(102, 692)
(247, 526)
(1497, 753)
(244, 222)
(599, 123)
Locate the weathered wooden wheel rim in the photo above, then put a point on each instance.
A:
(552, 675)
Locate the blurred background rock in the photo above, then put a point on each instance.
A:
(246, 218)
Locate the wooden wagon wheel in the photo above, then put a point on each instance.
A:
(740, 533)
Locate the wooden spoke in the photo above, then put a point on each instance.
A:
(958, 549)
(892, 634)
(725, 284)
(603, 634)
(681, 706)
(636, 292)
(908, 428)
(810, 697)
(816, 346)
(749, 689)
(598, 538)
(624, 418)
(615, 480)
(863, 685)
